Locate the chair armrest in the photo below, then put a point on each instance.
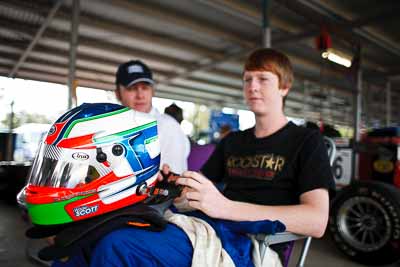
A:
(267, 240)
(278, 238)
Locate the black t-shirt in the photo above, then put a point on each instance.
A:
(274, 170)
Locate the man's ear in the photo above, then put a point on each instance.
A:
(284, 91)
(118, 93)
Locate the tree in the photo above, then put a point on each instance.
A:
(24, 117)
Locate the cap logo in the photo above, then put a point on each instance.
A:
(135, 69)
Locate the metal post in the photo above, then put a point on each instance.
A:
(366, 104)
(10, 142)
(304, 251)
(388, 103)
(305, 99)
(266, 33)
(72, 84)
(357, 121)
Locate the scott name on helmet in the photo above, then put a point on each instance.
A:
(85, 210)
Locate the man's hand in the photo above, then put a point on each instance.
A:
(203, 195)
(166, 172)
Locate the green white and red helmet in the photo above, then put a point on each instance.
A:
(96, 158)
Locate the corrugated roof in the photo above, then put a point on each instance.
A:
(196, 48)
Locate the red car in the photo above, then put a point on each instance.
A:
(365, 214)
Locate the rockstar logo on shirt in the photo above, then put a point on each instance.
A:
(256, 166)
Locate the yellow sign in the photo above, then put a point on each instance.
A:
(383, 166)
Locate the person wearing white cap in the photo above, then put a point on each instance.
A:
(135, 89)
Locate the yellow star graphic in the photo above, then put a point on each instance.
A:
(270, 163)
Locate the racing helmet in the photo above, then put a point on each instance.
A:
(96, 158)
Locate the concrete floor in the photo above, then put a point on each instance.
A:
(12, 239)
(13, 244)
(323, 253)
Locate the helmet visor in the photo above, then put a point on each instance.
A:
(66, 168)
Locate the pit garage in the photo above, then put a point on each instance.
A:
(345, 55)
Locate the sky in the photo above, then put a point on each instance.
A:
(32, 96)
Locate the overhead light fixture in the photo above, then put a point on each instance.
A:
(337, 57)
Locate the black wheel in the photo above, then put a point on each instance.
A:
(365, 222)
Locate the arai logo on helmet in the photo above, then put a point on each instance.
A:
(85, 210)
(80, 156)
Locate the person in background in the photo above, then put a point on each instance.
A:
(224, 131)
(135, 89)
(175, 112)
(327, 129)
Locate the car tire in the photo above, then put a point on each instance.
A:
(365, 222)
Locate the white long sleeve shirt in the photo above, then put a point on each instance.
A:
(175, 145)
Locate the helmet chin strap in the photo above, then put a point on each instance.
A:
(83, 235)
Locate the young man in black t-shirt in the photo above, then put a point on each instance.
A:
(276, 170)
